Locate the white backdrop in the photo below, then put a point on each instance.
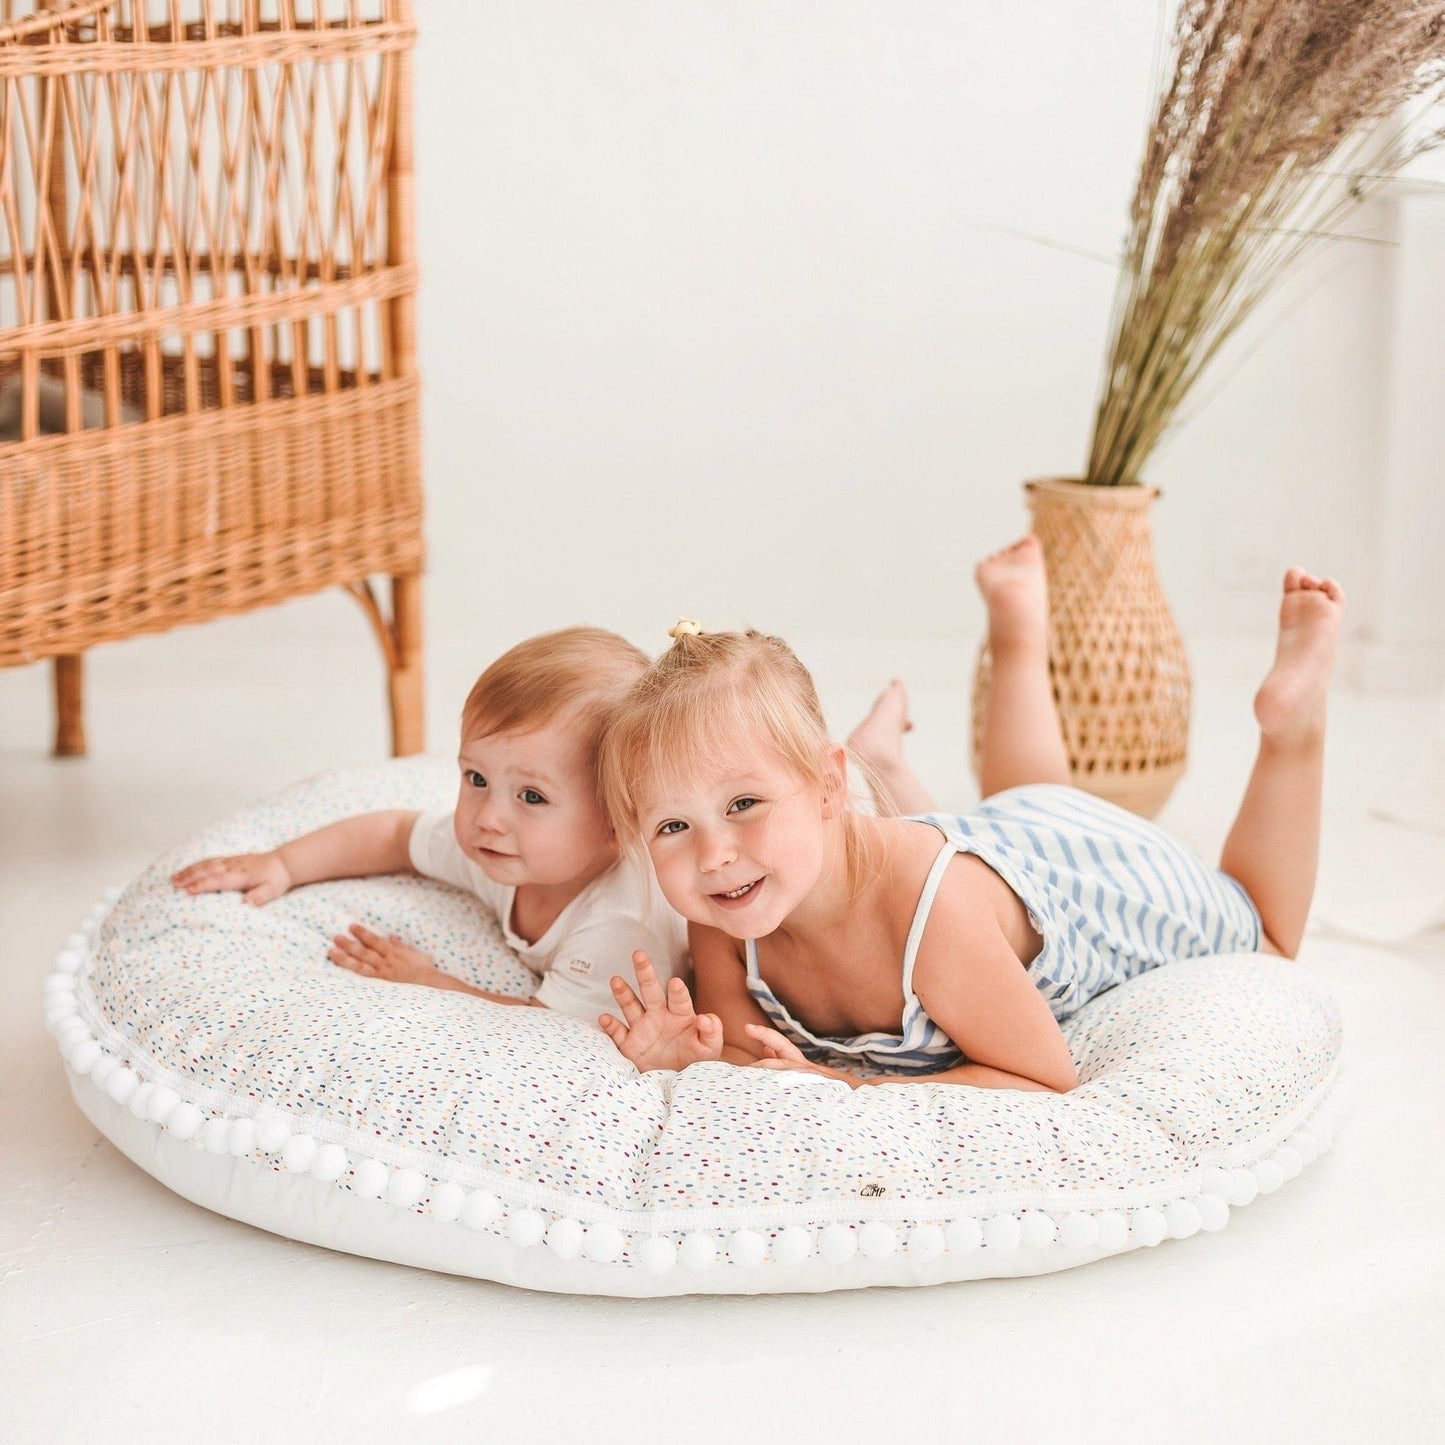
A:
(726, 311)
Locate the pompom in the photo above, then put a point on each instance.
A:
(926, 1241)
(877, 1240)
(185, 1121)
(241, 1137)
(329, 1163)
(1243, 1187)
(1213, 1212)
(1038, 1229)
(526, 1227)
(68, 960)
(1287, 1161)
(1078, 1230)
(216, 1136)
(698, 1251)
(1183, 1218)
(963, 1236)
(405, 1188)
(657, 1254)
(1305, 1146)
(163, 1100)
(69, 1031)
(85, 1055)
(140, 1101)
(747, 1248)
(793, 1245)
(1215, 1181)
(76, 944)
(271, 1134)
(122, 1084)
(604, 1243)
(1113, 1229)
(564, 1238)
(110, 896)
(1268, 1175)
(103, 1068)
(481, 1209)
(837, 1243)
(298, 1153)
(369, 1178)
(446, 1202)
(1149, 1226)
(1003, 1231)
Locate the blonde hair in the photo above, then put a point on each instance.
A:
(692, 704)
(581, 671)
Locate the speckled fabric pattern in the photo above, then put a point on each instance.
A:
(1203, 1065)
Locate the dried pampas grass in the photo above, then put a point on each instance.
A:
(1278, 119)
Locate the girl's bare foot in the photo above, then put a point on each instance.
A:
(1290, 704)
(1016, 592)
(878, 739)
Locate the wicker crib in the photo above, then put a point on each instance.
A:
(208, 391)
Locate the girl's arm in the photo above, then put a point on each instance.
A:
(721, 987)
(976, 989)
(352, 848)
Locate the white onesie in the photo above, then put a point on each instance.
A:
(590, 940)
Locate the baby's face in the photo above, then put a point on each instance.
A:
(527, 808)
(739, 851)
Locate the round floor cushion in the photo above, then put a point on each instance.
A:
(215, 1045)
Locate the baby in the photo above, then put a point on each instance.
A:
(528, 835)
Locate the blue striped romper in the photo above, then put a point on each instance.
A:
(1111, 895)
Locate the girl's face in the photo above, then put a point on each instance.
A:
(740, 849)
(527, 808)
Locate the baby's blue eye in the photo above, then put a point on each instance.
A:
(474, 778)
(531, 795)
(741, 805)
(670, 827)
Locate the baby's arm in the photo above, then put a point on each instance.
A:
(355, 847)
(372, 956)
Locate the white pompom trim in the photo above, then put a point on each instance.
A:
(1207, 1207)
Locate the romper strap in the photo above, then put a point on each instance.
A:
(920, 916)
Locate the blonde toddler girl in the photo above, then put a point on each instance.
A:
(945, 947)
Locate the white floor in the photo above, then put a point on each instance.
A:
(128, 1314)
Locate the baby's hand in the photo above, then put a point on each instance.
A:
(662, 1030)
(260, 877)
(373, 956)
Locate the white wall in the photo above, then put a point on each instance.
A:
(723, 314)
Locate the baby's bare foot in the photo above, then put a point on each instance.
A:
(878, 739)
(1016, 592)
(1290, 704)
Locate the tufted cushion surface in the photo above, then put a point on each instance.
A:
(216, 1046)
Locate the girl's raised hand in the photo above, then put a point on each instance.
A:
(260, 877)
(780, 1052)
(661, 1028)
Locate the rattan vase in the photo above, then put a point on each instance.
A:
(1120, 673)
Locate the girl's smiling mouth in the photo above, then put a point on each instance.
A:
(738, 896)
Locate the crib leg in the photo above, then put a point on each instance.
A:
(408, 720)
(69, 706)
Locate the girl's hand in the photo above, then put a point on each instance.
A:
(661, 1031)
(373, 956)
(260, 877)
(780, 1052)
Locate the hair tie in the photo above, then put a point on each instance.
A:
(685, 627)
